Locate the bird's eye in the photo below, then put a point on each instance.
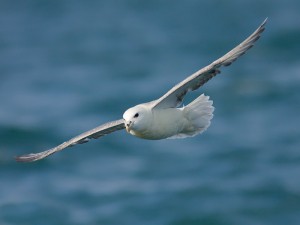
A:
(136, 115)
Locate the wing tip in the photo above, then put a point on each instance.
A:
(245, 45)
(34, 156)
(260, 29)
(263, 24)
(256, 35)
(27, 158)
(265, 21)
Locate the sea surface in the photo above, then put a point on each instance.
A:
(69, 66)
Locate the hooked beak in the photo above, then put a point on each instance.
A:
(128, 125)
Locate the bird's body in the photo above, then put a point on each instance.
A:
(164, 118)
(161, 124)
(155, 124)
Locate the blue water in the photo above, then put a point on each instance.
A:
(68, 66)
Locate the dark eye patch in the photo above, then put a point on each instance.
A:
(136, 115)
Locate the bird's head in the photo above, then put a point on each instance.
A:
(137, 119)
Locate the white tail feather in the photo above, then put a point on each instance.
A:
(199, 114)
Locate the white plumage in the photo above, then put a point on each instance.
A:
(145, 122)
(161, 118)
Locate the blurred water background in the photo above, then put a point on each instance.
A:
(68, 66)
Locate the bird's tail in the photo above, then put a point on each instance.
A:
(199, 113)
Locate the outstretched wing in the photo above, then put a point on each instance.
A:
(173, 98)
(97, 132)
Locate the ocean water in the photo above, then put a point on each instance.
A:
(68, 66)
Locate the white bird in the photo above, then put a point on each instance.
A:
(164, 118)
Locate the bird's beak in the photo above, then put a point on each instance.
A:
(128, 126)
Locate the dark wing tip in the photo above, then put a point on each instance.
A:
(27, 158)
(262, 27)
(35, 156)
(242, 48)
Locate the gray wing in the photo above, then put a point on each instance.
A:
(97, 132)
(174, 97)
